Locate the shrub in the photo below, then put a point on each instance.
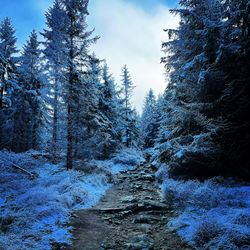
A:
(207, 230)
(215, 216)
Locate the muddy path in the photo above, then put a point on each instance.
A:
(130, 216)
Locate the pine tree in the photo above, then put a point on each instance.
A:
(185, 125)
(232, 105)
(108, 101)
(127, 125)
(149, 121)
(8, 83)
(77, 43)
(203, 115)
(108, 107)
(55, 55)
(87, 119)
(27, 101)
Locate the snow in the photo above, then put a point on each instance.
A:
(179, 154)
(1, 202)
(120, 167)
(34, 212)
(125, 160)
(210, 215)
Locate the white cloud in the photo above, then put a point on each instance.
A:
(131, 36)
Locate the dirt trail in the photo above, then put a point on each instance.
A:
(130, 216)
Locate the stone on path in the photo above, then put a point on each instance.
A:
(131, 216)
(140, 242)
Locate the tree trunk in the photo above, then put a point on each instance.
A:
(127, 133)
(1, 97)
(55, 125)
(34, 127)
(69, 140)
(34, 142)
(1, 107)
(70, 100)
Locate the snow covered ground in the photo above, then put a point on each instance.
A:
(127, 159)
(210, 215)
(34, 212)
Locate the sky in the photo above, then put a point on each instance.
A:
(130, 31)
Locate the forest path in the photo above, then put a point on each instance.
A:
(131, 215)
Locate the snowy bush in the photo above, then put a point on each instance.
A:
(122, 161)
(207, 230)
(161, 174)
(128, 156)
(211, 215)
(34, 211)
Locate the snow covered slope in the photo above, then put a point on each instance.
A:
(34, 211)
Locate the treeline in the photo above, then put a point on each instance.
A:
(57, 96)
(203, 117)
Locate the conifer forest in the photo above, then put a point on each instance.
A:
(82, 168)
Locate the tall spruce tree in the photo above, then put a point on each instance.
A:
(148, 128)
(108, 107)
(27, 101)
(231, 70)
(203, 103)
(8, 82)
(186, 137)
(127, 115)
(55, 56)
(77, 44)
(88, 119)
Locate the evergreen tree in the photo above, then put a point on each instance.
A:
(77, 43)
(8, 83)
(108, 107)
(149, 120)
(231, 70)
(27, 101)
(87, 119)
(194, 135)
(127, 119)
(55, 55)
(186, 136)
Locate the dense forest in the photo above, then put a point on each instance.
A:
(58, 100)
(57, 96)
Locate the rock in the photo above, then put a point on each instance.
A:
(128, 199)
(146, 219)
(107, 246)
(140, 242)
(123, 214)
(147, 177)
(138, 187)
(145, 228)
(156, 205)
(148, 197)
(164, 219)
(112, 210)
(141, 219)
